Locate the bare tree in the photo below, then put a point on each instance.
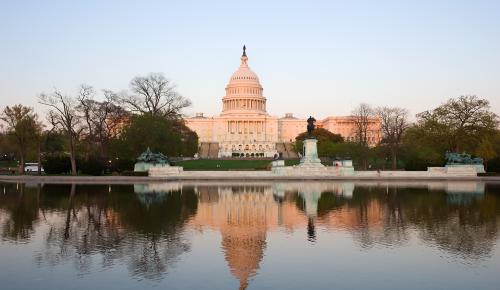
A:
(154, 94)
(63, 114)
(23, 125)
(102, 119)
(393, 122)
(361, 116)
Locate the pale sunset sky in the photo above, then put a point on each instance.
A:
(318, 58)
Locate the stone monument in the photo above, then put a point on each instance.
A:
(463, 161)
(310, 148)
(310, 164)
(156, 164)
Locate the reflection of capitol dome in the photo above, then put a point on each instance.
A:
(243, 215)
(244, 253)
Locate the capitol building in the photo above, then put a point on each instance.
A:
(245, 129)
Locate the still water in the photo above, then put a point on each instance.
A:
(309, 235)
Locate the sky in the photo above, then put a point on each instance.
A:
(319, 58)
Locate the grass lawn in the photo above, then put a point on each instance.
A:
(211, 164)
(6, 164)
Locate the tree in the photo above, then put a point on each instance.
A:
(393, 122)
(154, 94)
(460, 122)
(325, 139)
(486, 150)
(53, 141)
(160, 134)
(23, 126)
(63, 114)
(362, 116)
(102, 119)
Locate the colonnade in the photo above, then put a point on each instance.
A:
(245, 127)
(245, 104)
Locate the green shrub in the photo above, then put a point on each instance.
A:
(91, 166)
(493, 165)
(121, 165)
(56, 164)
(134, 173)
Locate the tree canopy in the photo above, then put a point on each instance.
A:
(23, 127)
(459, 123)
(325, 138)
(160, 134)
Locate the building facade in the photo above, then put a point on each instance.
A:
(244, 128)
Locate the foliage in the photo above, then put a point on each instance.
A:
(325, 140)
(393, 123)
(170, 137)
(53, 142)
(486, 150)
(92, 166)
(212, 164)
(7, 147)
(56, 164)
(494, 165)
(120, 165)
(23, 127)
(134, 173)
(102, 121)
(459, 123)
(420, 158)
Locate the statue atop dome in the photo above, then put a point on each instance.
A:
(244, 50)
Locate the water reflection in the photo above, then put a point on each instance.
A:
(81, 222)
(146, 226)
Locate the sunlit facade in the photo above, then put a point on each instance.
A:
(245, 127)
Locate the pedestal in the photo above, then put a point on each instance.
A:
(310, 151)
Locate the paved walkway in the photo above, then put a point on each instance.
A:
(228, 176)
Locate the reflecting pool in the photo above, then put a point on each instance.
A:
(268, 235)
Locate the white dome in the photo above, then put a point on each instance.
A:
(244, 74)
(244, 92)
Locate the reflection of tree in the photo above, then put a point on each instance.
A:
(100, 225)
(378, 215)
(21, 211)
(160, 225)
(93, 226)
(468, 230)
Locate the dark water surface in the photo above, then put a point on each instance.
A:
(285, 235)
